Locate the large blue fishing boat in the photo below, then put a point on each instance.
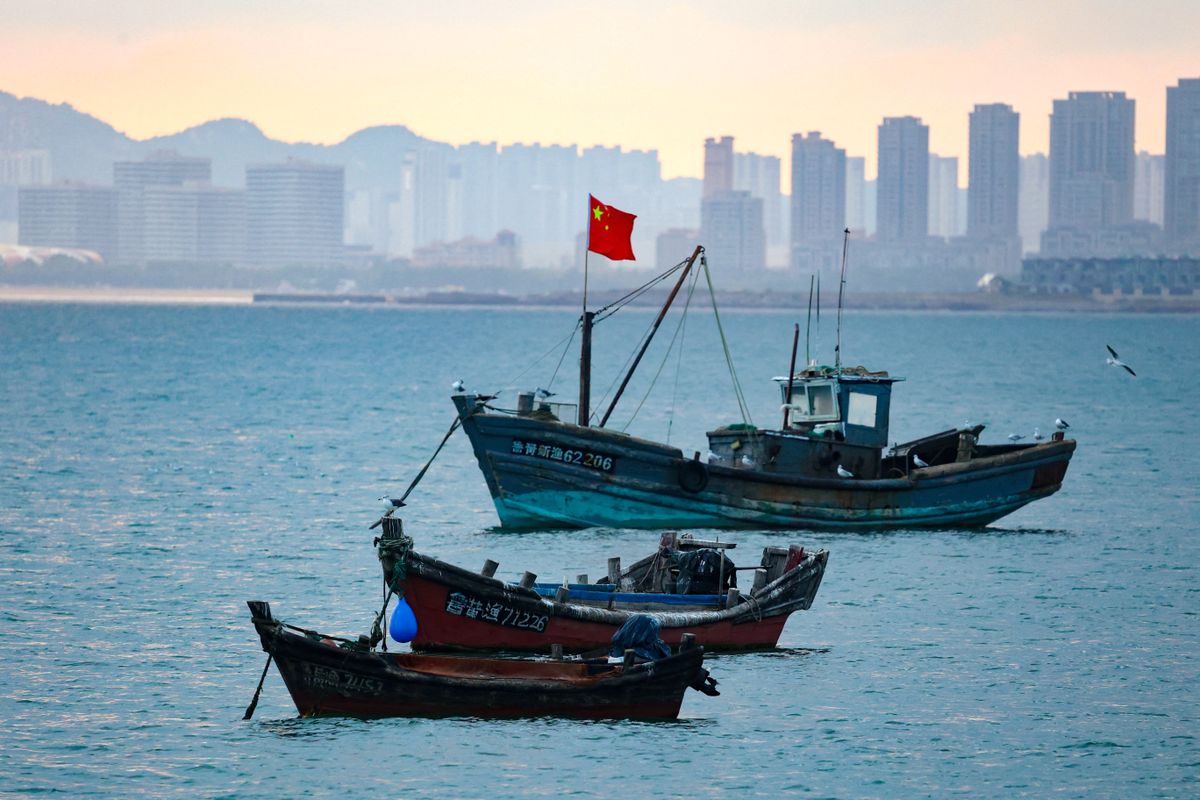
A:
(828, 467)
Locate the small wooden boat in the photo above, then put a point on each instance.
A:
(330, 676)
(457, 609)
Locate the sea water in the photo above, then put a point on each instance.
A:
(161, 465)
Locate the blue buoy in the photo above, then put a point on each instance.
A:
(404, 623)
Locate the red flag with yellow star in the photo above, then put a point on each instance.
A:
(610, 231)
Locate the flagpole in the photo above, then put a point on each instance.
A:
(585, 339)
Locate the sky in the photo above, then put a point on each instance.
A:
(636, 73)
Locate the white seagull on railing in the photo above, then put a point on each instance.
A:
(1061, 424)
(843, 472)
(457, 387)
(920, 462)
(1037, 435)
(1114, 360)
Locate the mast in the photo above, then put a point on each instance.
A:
(837, 350)
(658, 321)
(585, 367)
(792, 370)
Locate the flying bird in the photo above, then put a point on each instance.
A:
(1037, 435)
(843, 472)
(1015, 437)
(920, 462)
(1061, 424)
(1114, 360)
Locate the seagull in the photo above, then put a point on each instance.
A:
(390, 504)
(1114, 360)
(843, 472)
(545, 393)
(457, 386)
(1037, 435)
(1015, 437)
(919, 462)
(747, 460)
(1061, 424)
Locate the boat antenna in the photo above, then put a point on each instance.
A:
(837, 349)
(808, 327)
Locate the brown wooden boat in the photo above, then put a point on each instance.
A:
(331, 676)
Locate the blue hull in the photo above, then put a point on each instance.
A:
(610, 479)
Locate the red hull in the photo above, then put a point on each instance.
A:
(438, 629)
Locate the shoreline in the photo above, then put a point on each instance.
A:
(754, 300)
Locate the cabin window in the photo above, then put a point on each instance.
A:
(814, 403)
(862, 409)
(820, 401)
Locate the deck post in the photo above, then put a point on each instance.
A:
(527, 580)
(687, 641)
(966, 443)
(614, 570)
(556, 652)
(561, 595)
(582, 578)
(760, 580)
(489, 568)
(732, 597)
(629, 657)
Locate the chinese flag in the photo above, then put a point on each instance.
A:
(610, 230)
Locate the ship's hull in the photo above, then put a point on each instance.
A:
(609, 479)
(325, 679)
(457, 609)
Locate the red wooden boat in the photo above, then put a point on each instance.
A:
(457, 609)
(331, 676)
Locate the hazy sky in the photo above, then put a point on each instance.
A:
(641, 74)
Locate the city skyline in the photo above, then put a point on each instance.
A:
(537, 72)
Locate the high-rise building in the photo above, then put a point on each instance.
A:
(131, 180)
(194, 224)
(1091, 161)
(294, 214)
(1148, 190)
(818, 200)
(856, 194)
(718, 165)
(943, 196)
(1181, 178)
(538, 198)
(24, 167)
(69, 215)
(993, 172)
(1033, 203)
(478, 164)
(903, 183)
(759, 175)
(673, 245)
(731, 225)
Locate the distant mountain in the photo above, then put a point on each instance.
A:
(83, 148)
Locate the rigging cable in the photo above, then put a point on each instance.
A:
(610, 309)
(737, 386)
(565, 340)
(666, 356)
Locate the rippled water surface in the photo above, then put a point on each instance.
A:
(161, 465)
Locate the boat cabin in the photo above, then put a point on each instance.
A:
(832, 419)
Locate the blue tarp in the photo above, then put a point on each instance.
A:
(640, 634)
